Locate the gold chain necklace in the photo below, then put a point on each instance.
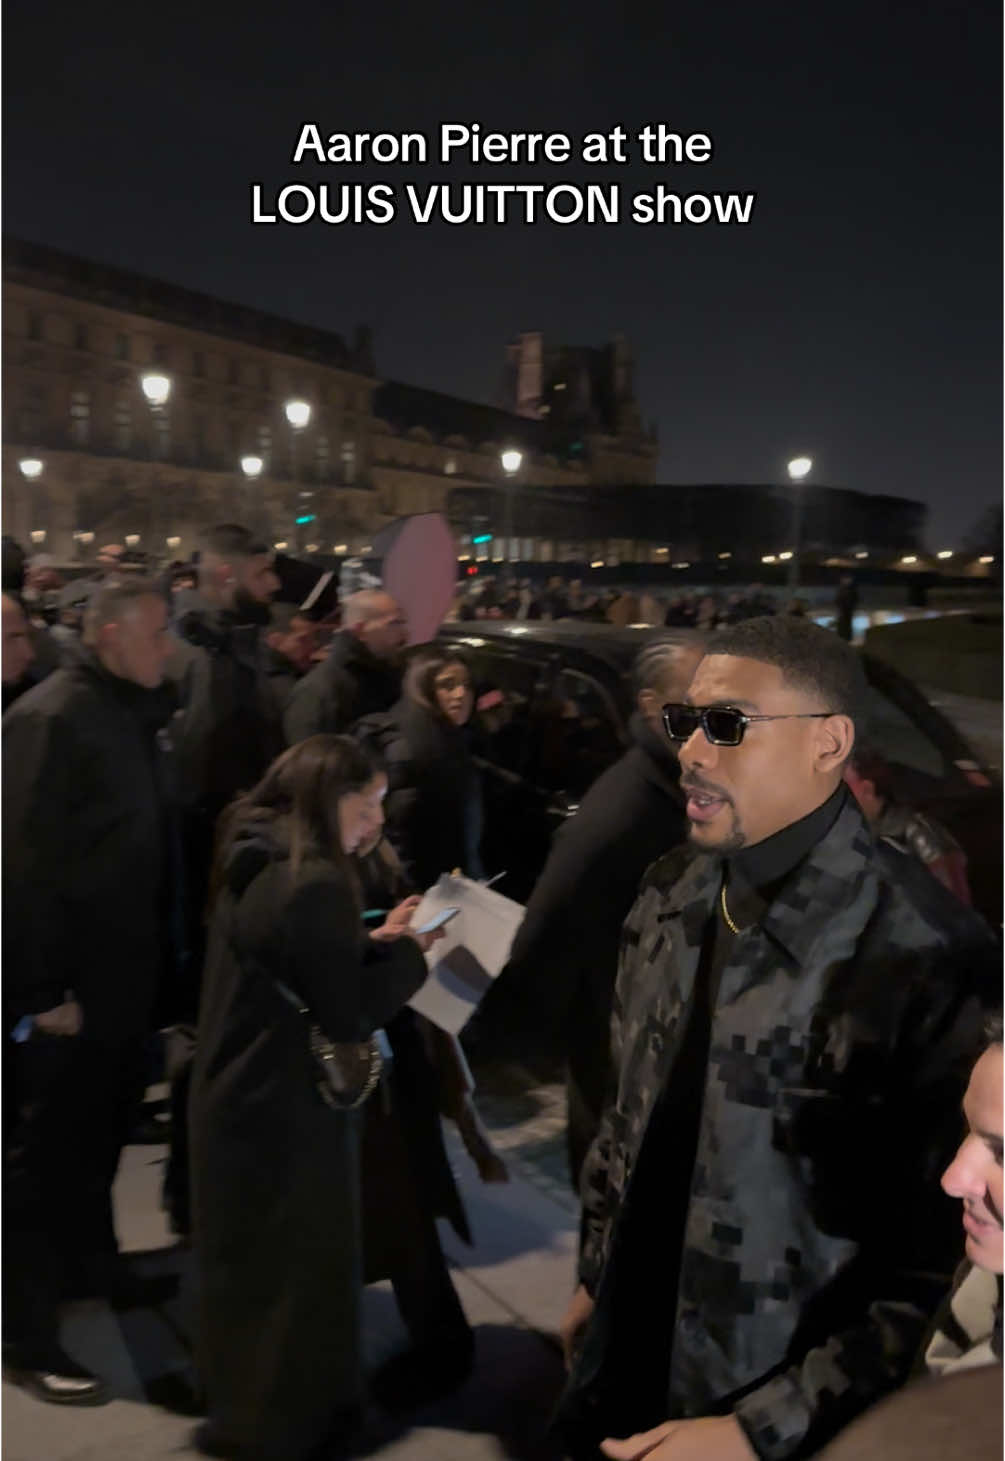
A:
(725, 912)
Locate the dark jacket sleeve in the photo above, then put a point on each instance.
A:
(351, 985)
(909, 1237)
(401, 803)
(321, 704)
(38, 783)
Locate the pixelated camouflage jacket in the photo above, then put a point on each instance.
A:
(817, 1240)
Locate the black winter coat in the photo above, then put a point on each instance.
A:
(89, 878)
(434, 805)
(337, 693)
(561, 971)
(275, 1180)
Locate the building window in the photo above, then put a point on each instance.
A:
(198, 364)
(34, 325)
(80, 417)
(80, 338)
(32, 412)
(122, 423)
(160, 356)
(348, 462)
(264, 441)
(450, 466)
(122, 351)
(323, 463)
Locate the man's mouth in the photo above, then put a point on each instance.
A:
(702, 805)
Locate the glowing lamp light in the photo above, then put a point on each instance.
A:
(30, 468)
(784, 557)
(725, 555)
(511, 461)
(38, 536)
(341, 548)
(769, 558)
(132, 540)
(946, 553)
(173, 542)
(909, 559)
(86, 537)
(312, 547)
(298, 413)
(598, 563)
(986, 559)
(252, 466)
(800, 467)
(280, 547)
(680, 565)
(156, 388)
(861, 555)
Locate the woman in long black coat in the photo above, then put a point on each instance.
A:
(274, 1167)
(434, 803)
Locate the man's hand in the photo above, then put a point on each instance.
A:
(717, 1438)
(573, 1326)
(64, 1019)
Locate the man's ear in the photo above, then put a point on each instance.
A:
(835, 738)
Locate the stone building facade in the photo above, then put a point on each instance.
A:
(88, 350)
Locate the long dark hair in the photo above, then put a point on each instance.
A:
(297, 802)
(420, 679)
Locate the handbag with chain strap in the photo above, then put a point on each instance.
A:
(347, 1071)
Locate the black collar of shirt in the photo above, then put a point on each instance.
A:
(755, 875)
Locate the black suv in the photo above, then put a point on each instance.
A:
(560, 697)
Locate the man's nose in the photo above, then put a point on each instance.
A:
(698, 751)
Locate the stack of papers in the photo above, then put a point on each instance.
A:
(463, 964)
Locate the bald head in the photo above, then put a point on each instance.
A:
(377, 620)
(18, 651)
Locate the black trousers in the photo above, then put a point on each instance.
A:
(68, 1104)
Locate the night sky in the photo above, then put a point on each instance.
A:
(856, 318)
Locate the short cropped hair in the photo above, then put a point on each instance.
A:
(810, 658)
(115, 598)
(231, 540)
(655, 664)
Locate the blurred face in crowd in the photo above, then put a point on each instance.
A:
(455, 698)
(385, 628)
(298, 644)
(781, 771)
(975, 1174)
(361, 816)
(137, 646)
(18, 652)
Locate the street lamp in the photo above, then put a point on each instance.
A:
(298, 414)
(512, 461)
(156, 387)
(31, 469)
(799, 469)
(252, 467)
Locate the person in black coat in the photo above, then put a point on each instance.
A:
(434, 802)
(361, 675)
(89, 888)
(274, 1164)
(559, 980)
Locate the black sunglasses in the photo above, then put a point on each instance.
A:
(723, 725)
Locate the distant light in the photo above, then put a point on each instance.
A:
(597, 563)
(31, 467)
(280, 547)
(252, 466)
(298, 413)
(87, 537)
(482, 538)
(341, 547)
(725, 555)
(909, 559)
(173, 542)
(132, 540)
(307, 518)
(784, 557)
(769, 558)
(987, 559)
(861, 555)
(367, 549)
(450, 466)
(946, 553)
(680, 565)
(663, 550)
(559, 386)
(156, 388)
(464, 558)
(511, 460)
(312, 547)
(38, 536)
(800, 467)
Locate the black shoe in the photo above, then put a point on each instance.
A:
(59, 1380)
(419, 1376)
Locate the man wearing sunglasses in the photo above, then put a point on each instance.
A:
(795, 1013)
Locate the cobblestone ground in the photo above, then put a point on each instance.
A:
(525, 1112)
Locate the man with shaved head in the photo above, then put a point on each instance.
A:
(362, 674)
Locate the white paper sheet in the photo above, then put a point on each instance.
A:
(463, 964)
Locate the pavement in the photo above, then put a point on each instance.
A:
(514, 1284)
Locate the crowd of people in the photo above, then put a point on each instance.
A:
(519, 599)
(217, 828)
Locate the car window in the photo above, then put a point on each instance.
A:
(575, 734)
(900, 738)
(504, 689)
